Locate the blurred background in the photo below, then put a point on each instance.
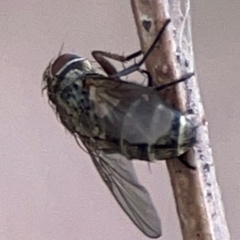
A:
(49, 188)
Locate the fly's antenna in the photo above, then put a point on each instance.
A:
(60, 51)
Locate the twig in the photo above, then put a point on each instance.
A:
(197, 195)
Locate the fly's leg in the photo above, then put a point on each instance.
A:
(182, 159)
(100, 57)
(150, 80)
(136, 66)
(182, 79)
(134, 55)
(149, 77)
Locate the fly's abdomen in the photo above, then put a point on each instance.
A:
(140, 124)
(152, 130)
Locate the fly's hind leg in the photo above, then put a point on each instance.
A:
(182, 79)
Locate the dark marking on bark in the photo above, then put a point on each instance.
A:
(206, 167)
(146, 25)
(186, 63)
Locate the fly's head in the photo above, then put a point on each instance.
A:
(63, 71)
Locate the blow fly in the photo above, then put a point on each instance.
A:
(118, 121)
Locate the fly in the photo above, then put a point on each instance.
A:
(118, 121)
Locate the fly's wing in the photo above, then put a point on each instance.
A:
(131, 112)
(119, 175)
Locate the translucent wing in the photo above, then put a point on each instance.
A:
(119, 175)
(130, 111)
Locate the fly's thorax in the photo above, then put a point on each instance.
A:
(74, 98)
(64, 80)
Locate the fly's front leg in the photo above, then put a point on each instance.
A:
(136, 66)
(100, 57)
(109, 68)
(133, 55)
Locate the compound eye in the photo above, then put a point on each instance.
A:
(62, 61)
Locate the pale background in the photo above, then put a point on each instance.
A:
(49, 189)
